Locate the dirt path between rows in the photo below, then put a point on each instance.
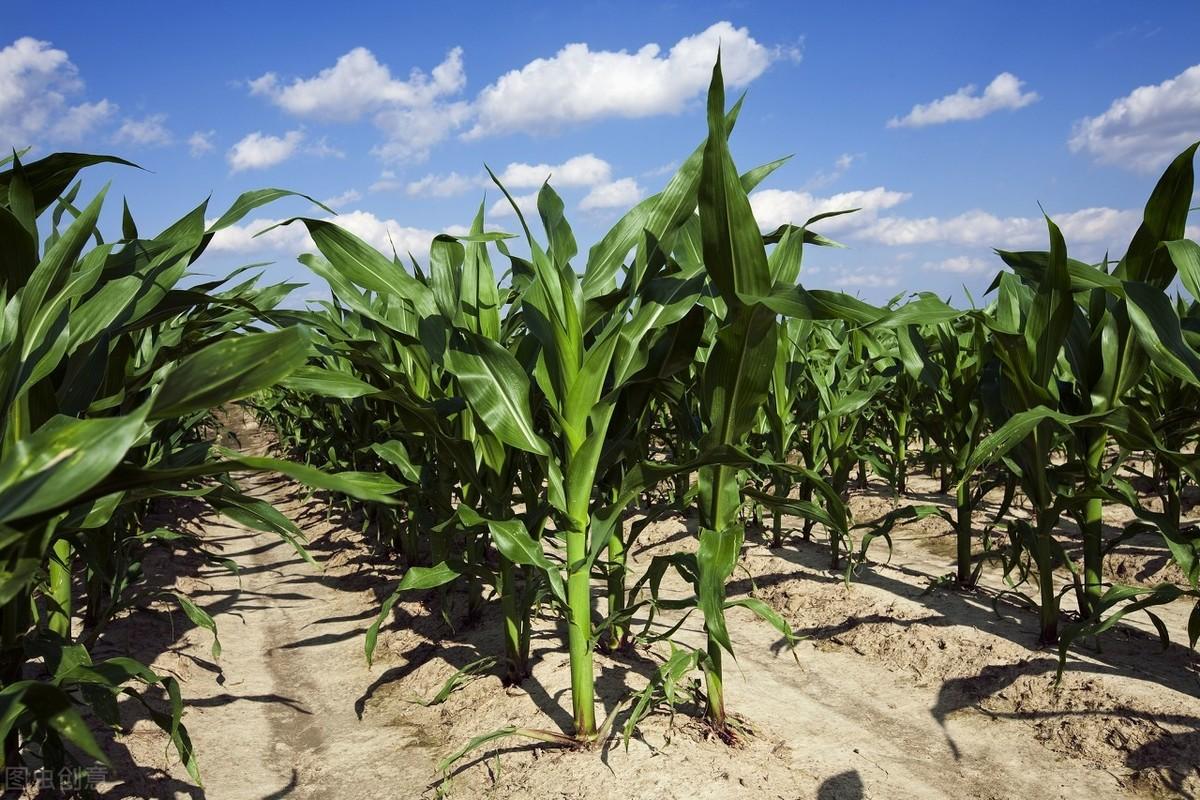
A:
(275, 715)
(294, 670)
(291, 709)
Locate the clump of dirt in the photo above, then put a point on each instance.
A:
(1084, 718)
(1145, 566)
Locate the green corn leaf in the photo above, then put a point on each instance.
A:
(1050, 315)
(394, 453)
(562, 240)
(497, 388)
(201, 618)
(480, 295)
(327, 383)
(230, 369)
(361, 264)
(752, 178)
(514, 543)
(1164, 219)
(52, 271)
(61, 460)
(1185, 254)
(446, 256)
(657, 214)
(369, 486)
(735, 384)
(49, 177)
(248, 201)
(715, 560)
(19, 256)
(1194, 625)
(1158, 331)
(415, 579)
(768, 615)
(733, 249)
(50, 707)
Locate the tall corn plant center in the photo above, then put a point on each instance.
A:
(508, 418)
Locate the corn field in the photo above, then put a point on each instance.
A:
(508, 418)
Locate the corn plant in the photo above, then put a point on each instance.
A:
(1065, 367)
(953, 360)
(108, 369)
(783, 417)
(736, 376)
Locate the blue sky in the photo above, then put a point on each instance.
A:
(947, 122)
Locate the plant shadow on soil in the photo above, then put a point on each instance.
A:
(846, 785)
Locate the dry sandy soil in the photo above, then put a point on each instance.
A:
(896, 691)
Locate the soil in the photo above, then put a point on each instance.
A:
(896, 690)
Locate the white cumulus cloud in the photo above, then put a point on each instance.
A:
(1146, 128)
(148, 131)
(584, 170)
(1004, 92)
(293, 239)
(774, 207)
(80, 120)
(578, 84)
(344, 199)
(840, 166)
(387, 182)
(357, 84)
(1096, 229)
(36, 80)
(959, 265)
(259, 151)
(526, 202)
(449, 185)
(1107, 227)
(861, 277)
(201, 142)
(411, 132)
(413, 114)
(621, 193)
(322, 149)
(245, 239)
